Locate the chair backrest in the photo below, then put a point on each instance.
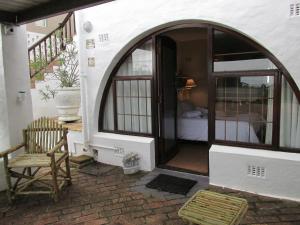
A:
(42, 135)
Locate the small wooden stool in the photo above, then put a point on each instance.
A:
(208, 208)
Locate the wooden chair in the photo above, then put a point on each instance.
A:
(40, 168)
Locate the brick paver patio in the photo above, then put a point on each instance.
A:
(110, 199)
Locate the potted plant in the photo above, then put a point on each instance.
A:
(67, 94)
(131, 163)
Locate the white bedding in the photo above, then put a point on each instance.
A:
(196, 129)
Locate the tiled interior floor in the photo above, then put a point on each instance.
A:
(118, 199)
(191, 156)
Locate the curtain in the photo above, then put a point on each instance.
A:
(290, 118)
(269, 126)
(108, 118)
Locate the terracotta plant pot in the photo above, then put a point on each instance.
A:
(67, 101)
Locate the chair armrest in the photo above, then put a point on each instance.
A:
(56, 147)
(11, 150)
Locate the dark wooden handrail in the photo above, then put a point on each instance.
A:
(46, 50)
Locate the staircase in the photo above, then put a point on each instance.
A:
(43, 54)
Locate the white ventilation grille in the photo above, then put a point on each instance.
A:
(294, 9)
(103, 37)
(256, 171)
(297, 9)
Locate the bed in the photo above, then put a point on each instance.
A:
(194, 126)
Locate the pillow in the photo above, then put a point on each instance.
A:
(192, 114)
(203, 110)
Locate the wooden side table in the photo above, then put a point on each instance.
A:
(211, 208)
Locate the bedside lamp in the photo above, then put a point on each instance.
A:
(190, 83)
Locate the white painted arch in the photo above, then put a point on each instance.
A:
(156, 31)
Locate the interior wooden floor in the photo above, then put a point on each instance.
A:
(191, 156)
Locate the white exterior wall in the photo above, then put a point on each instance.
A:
(4, 136)
(14, 77)
(42, 107)
(111, 148)
(127, 21)
(228, 167)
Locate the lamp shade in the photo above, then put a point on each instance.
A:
(190, 83)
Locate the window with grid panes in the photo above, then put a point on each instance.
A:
(128, 107)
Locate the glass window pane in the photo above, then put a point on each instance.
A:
(148, 83)
(142, 105)
(243, 106)
(127, 88)
(127, 105)
(269, 111)
(120, 122)
(237, 65)
(127, 123)
(231, 130)
(134, 88)
(243, 110)
(135, 106)
(143, 124)
(234, 54)
(139, 62)
(220, 129)
(119, 87)
(149, 124)
(268, 138)
(243, 131)
(263, 133)
(149, 105)
(135, 124)
(120, 105)
(142, 88)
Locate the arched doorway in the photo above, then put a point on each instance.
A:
(195, 85)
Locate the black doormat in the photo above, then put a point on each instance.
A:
(171, 184)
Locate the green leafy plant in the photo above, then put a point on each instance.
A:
(67, 73)
(38, 65)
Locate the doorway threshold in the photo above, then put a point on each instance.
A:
(182, 170)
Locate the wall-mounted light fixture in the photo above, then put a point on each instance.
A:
(8, 30)
(88, 26)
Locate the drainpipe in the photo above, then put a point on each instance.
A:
(83, 88)
(84, 107)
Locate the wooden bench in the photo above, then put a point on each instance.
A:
(211, 208)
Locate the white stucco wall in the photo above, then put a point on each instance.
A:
(228, 167)
(127, 21)
(14, 77)
(4, 136)
(110, 149)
